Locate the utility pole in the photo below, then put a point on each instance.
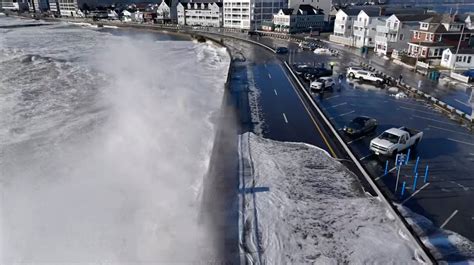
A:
(457, 49)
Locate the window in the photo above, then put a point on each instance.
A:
(401, 37)
(469, 59)
(416, 35)
(343, 18)
(446, 57)
(458, 58)
(342, 26)
(464, 59)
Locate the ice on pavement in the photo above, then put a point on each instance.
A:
(299, 206)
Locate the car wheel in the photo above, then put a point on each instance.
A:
(351, 75)
(361, 79)
(379, 83)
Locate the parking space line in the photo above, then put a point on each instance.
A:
(355, 140)
(449, 219)
(332, 97)
(284, 117)
(276, 94)
(343, 114)
(367, 156)
(337, 105)
(392, 169)
(269, 76)
(462, 142)
(462, 103)
(421, 117)
(422, 111)
(439, 128)
(415, 193)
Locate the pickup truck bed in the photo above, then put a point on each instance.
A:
(410, 131)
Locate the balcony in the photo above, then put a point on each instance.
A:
(360, 24)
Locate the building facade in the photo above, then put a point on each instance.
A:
(436, 34)
(68, 8)
(250, 14)
(200, 14)
(304, 18)
(395, 34)
(462, 60)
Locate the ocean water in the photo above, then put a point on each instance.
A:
(104, 142)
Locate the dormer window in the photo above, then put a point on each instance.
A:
(424, 26)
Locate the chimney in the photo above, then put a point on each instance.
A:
(381, 11)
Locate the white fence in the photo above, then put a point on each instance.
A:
(459, 77)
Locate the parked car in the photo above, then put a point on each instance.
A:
(322, 84)
(395, 140)
(301, 69)
(316, 73)
(281, 50)
(323, 51)
(364, 75)
(360, 126)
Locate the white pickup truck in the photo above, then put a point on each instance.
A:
(364, 75)
(395, 140)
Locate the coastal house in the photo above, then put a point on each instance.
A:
(436, 34)
(304, 18)
(200, 14)
(365, 27)
(395, 34)
(163, 12)
(324, 5)
(250, 14)
(343, 26)
(137, 16)
(126, 16)
(463, 59)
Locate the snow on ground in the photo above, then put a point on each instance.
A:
(302, 206)
(443, 244)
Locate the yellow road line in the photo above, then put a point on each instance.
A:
(331, 150)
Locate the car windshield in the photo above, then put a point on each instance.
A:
(357, 123)
(389, 137)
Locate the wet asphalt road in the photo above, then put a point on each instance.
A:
(447, 148)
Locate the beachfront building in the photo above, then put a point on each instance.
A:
(463, 59)
(393, 37)
(200, 14)
(250, 14)
(364, 28)
(304, 18)
(343, 26)
(68, 8)
(38, 5)
(163, 12)
(436, 34)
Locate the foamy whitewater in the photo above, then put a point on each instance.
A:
(104, 144)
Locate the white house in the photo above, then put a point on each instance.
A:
(365, 28)
(464, 59)
(126, 16)
(137, 16)
(163, 12)
(394, 35)
(112, 15)
(200, 14)
(250, 14)
(300, 19)
(343, 26)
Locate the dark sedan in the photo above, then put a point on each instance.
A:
(361, 126)
(316, 73)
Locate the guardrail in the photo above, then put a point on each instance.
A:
(463, 117)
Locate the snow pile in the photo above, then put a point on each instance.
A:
(300, 206)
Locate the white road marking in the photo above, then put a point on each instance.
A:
(416, 192)
(284, 117)
(392, 169)
(461, 186)
(462, 142)
(269, 76)
(426, 112)
(355, 140)
(343, 114)
(471, 154)
(276, 94)
(421, 117)
(367, 156)
(337, 105)
(265, 65)
(439, 128)
(332, 97)
(449, 219)
(463, 103)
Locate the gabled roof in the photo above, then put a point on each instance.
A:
(443, 18)
(415, 18)
(287, 11)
